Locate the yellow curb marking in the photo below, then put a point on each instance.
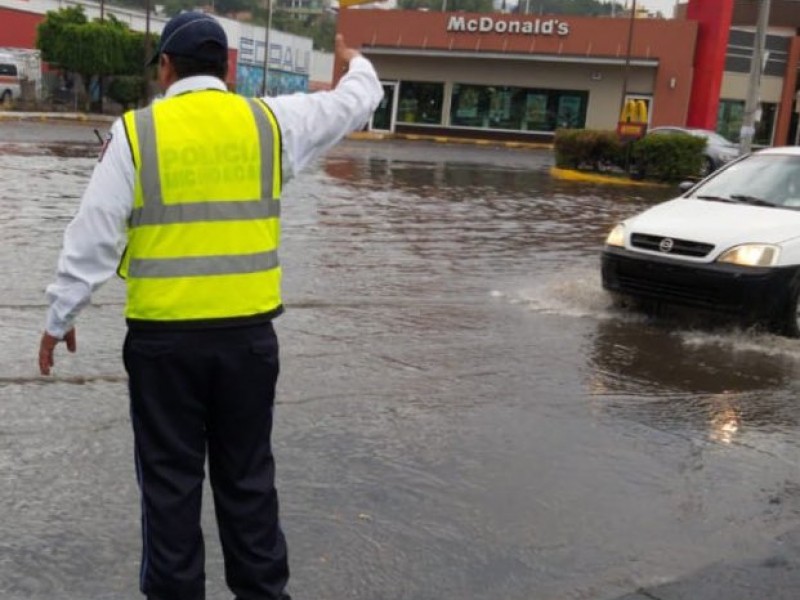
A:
(572, 175)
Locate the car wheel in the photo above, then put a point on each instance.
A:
(5, 98)
(707, 167)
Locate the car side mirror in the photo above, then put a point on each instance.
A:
(685, 186)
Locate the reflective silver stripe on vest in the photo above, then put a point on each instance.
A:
(266, 142)
(234, 210)
(196, 266)
(148, 152)
(154, 212)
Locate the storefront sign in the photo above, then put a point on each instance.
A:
(288, 53)
(633, 121)
(458, 23)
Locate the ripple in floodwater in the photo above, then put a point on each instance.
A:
(460, 414)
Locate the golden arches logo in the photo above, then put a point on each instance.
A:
(635, 111)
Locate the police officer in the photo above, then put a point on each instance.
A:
(190, 188)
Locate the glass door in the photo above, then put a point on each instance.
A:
(384, 116)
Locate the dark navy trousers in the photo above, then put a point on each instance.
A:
(197, 393)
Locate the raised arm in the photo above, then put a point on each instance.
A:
(312, 123)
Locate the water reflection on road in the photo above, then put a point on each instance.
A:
(461, 413)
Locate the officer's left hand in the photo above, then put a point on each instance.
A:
(47, 347)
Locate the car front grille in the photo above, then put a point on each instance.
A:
(678, 247)
(721, 288)
(653, 286)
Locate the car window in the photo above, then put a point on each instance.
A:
(771, 177)
(7, 69)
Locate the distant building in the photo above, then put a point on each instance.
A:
(290, 56)
(522, 76)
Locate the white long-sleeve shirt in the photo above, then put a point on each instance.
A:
(93, 242)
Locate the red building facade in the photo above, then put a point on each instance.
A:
(521, 77)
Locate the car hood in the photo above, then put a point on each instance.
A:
(720, 223)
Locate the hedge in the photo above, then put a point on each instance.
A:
(667, 157)
(588, 149)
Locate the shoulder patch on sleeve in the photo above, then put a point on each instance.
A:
(106, 142)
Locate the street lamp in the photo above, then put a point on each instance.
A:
(751, 111)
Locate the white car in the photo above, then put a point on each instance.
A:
(729, 245)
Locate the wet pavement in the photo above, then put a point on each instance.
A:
(461, 414)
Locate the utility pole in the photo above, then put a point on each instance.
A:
(751, 106)
(627, 58)
(100, 77)
(266, 48)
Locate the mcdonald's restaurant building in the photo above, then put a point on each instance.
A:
(521, 77)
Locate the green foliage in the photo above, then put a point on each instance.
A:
(559, 7)
(320, 28)
(588, 149)
(570, 7)
(668, 157)
(48, 32)
(126, 90)
(92, 49)
(658, 157)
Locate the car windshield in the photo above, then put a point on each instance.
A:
(760, 179)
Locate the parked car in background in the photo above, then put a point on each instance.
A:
(719, 150)
(730, 245)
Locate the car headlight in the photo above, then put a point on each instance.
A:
(617, 236)
(751, 255)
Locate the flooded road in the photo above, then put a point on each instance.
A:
(461, 415)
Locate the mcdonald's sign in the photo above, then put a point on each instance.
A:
(632, 122)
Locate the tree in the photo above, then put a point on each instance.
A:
(92, 50)
(321, 28)
(570, 7)
(48, 32)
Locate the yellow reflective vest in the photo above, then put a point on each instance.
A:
(204, 231)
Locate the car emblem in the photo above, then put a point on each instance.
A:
(666, 245)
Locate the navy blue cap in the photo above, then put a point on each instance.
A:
(193, 35)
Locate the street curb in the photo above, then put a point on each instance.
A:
(359, 135)
(441, 139)
(584, 177)
(54, 116)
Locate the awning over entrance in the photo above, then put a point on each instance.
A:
(505, 56)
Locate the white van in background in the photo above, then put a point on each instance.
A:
(10, 88)
(19, 67)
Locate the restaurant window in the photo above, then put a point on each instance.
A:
(420, 102)
(516, 108)
(730, 116)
